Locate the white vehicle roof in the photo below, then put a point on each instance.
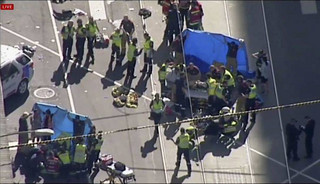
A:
(8, 53)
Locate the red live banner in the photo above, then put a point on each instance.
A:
(7, 6)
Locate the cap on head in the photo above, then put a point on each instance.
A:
(25, 114)
(134, 40)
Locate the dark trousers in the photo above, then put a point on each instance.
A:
(308, 145)
(90, 47)
(156, 117)
(171, 32)
(147, 61)
(292, 147)
(93, 158)
(250, 103)
(184, 16)
(131, 66)
(115, 50)
(186, 155)
(67, 48)
(80, 48)
(64, 171)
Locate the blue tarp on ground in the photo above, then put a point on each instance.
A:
(62, 119)
(204, 49)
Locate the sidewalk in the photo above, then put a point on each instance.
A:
(5, 162)
(207, 165)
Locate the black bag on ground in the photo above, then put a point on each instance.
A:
(119, 166)
(145, 13)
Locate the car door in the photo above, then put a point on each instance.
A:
(10, 79)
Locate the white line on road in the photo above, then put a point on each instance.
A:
(60, 55)
(247, 142)
(28, 40)
(308, 7)
(97, 9)
(275, 89)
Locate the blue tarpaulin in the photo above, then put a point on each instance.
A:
(62, 119)
(204, 49)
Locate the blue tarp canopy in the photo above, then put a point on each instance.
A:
(62, 119)
(204, 49)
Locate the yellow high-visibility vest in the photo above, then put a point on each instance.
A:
(67, 32)
(92, 29)
(184, 141)
(212, 85)
(147, 45)
(231, 81)
(64, 157)
(163, 72)
(253, 92)
(157, 105)
(116, 39)
(81, 32)
(131, 50)
(98, 145)
(218, 91)
(80, 154)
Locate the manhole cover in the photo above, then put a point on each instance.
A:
(44, 93)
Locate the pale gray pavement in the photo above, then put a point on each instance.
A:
(292, 39)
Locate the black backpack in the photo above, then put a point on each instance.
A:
(119, 166)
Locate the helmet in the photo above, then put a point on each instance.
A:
(224, 110)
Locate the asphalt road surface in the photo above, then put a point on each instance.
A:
(279, 27)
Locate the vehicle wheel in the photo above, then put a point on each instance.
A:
(23, 87)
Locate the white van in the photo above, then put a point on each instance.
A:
(16, 70)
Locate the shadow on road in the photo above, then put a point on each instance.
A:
(170, 130)
(149, 145)
(161, 54)
(77, 73)
(14, 101)
(113, 75)
(175, 179)
(58, 75)
(141, 86)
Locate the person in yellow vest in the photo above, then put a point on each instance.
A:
(67, 33)
(116, 45)
(250, 103)
(148, 54)
(95, 151)
(65, 160)
(157, 107)
(80, 155)
(192, 131)
(80, 40)
(183, 148)
(162, 76)
(227, 123)
(211, 88)
(132, 58)
(220, 100)
(92, 30)
(227, 76)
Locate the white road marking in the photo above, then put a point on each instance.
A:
(308, 7)
(28, 40)
(60, 55)
(303, 170)
(275, 89)
(97, 9)
(283, 165)
(57, 54)
(247, 141)
(162, 147)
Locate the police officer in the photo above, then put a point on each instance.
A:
(132, 58)
(174, 22)
(157, 108)
(81, 39)
(64, 157)
(211, 88)
(95, 151)
(308, 130)
(162, 76)
(250, 103)
(292, 133)
(148, 54)
(80, 155)
(92, 30)
(67, 33)
(183, 148)
(192, 131)
(116, 45)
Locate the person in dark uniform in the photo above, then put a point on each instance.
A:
(308, 130)
(81, 39)
(174, 22)
(292, 133)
